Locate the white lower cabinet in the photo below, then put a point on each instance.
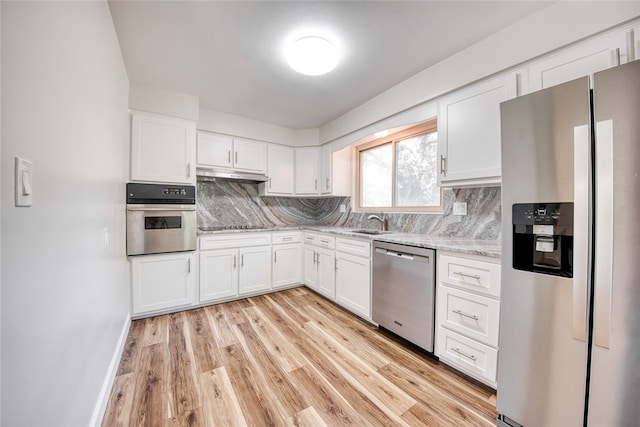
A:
(218, 274)
(233, 265)
(162, 282)
(326, 264)
(339, 269)
(468, 314)
(287, 259)
(310, 267)
(353, 283)
(255, 269)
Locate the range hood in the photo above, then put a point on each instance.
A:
(212, 174)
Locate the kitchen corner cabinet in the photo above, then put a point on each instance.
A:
(469, 133)
(227, 152)
(162, 282)
(307, 171)
(314, 171)
(280, 170)
(162, 149)
(468, 314)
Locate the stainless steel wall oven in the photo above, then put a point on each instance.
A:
(160, 218)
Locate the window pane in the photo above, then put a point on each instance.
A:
(375, 176)
(416, 171)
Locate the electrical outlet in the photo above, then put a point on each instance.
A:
(343, 208)
(460, 208)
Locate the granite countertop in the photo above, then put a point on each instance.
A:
(488, 248)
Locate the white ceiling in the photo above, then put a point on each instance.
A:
(229, 53)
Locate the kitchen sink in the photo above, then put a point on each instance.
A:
(372, 232)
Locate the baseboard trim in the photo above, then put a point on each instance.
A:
(105, 391)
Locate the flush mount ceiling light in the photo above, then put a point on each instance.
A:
(312, 55)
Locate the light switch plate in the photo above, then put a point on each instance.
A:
(460, 208)
(23, 182)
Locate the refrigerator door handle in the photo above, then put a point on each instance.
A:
(581, 165)
(604, 233)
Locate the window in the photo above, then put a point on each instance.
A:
(399, 172)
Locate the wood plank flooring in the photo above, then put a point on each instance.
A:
(290, 358)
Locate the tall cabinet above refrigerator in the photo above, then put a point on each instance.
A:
(570, 316)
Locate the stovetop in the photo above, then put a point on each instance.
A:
(232, 227)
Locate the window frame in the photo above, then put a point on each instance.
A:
(392, 139)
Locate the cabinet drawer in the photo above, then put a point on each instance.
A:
(472, 315)
(234, 240)
(325, 241)
(477, 276)
(355, 247)
(285, 237)
(471, 357)
(310, 239)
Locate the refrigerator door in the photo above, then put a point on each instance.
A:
(614, 395)
(543, 355)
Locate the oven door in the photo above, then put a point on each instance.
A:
(154, 229)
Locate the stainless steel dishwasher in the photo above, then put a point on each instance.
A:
(404, 291)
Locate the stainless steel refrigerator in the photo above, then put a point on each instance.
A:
(570, 296)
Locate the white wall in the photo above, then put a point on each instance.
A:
(554, 27)
(65, 299)
(161, 101)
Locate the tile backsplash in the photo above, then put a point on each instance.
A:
(235, 203)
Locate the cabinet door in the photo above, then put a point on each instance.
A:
(162, 149)
(577, 61)
(255, 269)
(162, 282)
(469, 133)
(218, 274)
(249, 155)
(279, 169)
(214, 150)
(310, 267)
(353, 283)
(325, 169)
(327, 272)
(287, 265)
(307, 168)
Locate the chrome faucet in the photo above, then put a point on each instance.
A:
(383, 220)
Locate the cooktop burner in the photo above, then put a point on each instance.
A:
(232, 227)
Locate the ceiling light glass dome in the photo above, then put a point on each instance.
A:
(312, 55)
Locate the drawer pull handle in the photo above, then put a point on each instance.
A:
(470, 316)
(463, 274)
(286, 239)
(461, 353)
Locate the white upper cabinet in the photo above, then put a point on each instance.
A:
(578, 61)
(162, 149)
(307, 170)
(325, 169)
(320, 171)
(280, 170)
(214, 150)
(223, 151)
(469, 133)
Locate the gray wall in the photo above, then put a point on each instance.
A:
(65, 298)
(232, 203)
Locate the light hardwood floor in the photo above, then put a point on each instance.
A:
(290, 358)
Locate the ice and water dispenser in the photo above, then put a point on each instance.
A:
(543, 238)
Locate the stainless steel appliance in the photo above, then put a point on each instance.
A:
(160, 218)
(404, 291)
(570, 311)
